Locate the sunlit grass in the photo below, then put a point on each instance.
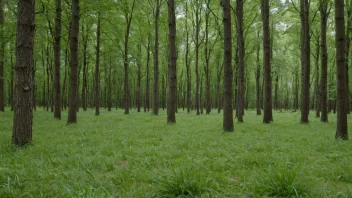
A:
(139, 155)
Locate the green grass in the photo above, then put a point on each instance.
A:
(139, 155)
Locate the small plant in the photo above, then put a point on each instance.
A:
(282, 181)
(185, 182)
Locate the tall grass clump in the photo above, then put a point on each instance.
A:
(281, 181)
(185, 182)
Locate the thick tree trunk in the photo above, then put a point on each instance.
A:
(171, 107)
(341, 126)
(97, 71)
(23, 116)
(156, 60)
(324, 62)
(228, 73)
(2, 54)
(57, 53)
(240, 42)
(348, 42)
(72, 110)
(268, 115)
(305, 61)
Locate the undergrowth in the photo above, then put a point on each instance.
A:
(140, 155)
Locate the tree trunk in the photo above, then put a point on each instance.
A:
(156, 60)
(324, 62)
(207, 62)
(139, 79)
(341, 126)
(72, 110)
(171, 107)
(305, 60)
(2, 54)
(317, 88)
(228, 75)
(84, 84)
(276, 93)
(348, 42)
(147, 79)
(257, 81)
(23, 116)
(188, 67)
(240, 42)
(97, 71)
(198, 13)
(268, 115)
(57, 52)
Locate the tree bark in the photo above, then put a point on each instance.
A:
(228, 73)
(305, 60)
(324, 62)
(72, 110)
(268, 115)
(341, 126)
(85, 65)
(257, 81)
(171, 110)
(23, 115)
(147, 79)
(240, 42)
(156, 60)
(2, 54)
(197, 28)
(57, 54)
(97, 71)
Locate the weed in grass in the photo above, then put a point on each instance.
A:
(185, 182)
(281, 181)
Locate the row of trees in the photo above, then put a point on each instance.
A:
(120, 35)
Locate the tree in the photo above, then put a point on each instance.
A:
(23, 116)
(72, 110)
(171, 109)
(341, 126)
(228, 73)
(305, 60)
(324, 13)
(2, 53)
(240, 42)
(57, 53)
(257, 79)
(268, 114)
(156, 58)
(97, 70)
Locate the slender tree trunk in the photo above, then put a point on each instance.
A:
(317, 87)
(147, 79)
(84, 83)
(257, 81)
(240, 41)
(23, 116)
(57, 53)
(72, 110)
(2, 54)
(207, 62)
(188, 67)
(276, 93)
(324, 62)
(11, 95)
(198, 13)
(305, 61)
(228, 75)
(97, 71)
(156, 60)
(139, 79)
(268, 115)
(341, 126)
(348, 42)
(171, 109)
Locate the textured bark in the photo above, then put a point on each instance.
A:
(156, 60)
(171, 106)
(268, 114)
(348, 43)
(240, 42)
(324, 62)
(228, 73)
(23, 115)
(305, 60)
(341, 126)
(72, 110)
(97, 71)
(2, 53)
(57, 53)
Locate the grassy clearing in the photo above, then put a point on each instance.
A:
(139, 155)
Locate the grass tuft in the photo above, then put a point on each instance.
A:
(185, 182)
(282, 181)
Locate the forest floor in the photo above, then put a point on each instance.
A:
(139, 155)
